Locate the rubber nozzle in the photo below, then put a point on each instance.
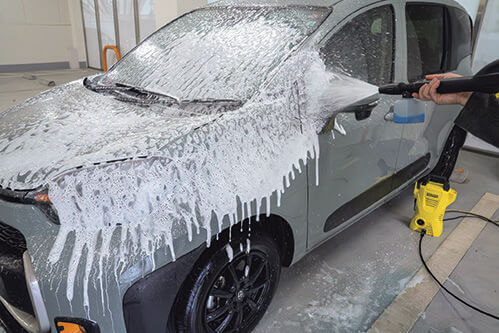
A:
(392, 89)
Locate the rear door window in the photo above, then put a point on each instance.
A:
(364, 47)
(438, 38)
(425, 40)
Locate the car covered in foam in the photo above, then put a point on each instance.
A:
(166, 194)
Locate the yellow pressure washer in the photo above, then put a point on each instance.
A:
(432, 197)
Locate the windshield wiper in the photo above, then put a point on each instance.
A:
(146, 96)
(234, 102)
(128, 92)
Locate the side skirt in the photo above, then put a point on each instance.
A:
(375, 193)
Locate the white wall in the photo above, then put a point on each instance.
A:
(185, 6)
(487, 48)
(40, 31)
(77, 33)
(471, 6)
(167, 10)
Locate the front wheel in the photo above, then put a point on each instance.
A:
(231, 287)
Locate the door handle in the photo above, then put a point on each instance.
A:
(389, 115)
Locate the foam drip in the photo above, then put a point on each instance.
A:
(113, 214)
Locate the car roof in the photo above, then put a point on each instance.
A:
(315, 3)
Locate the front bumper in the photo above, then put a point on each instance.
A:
(23, 308)
(142, 301)
(147, 304)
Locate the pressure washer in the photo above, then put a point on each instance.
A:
(433, 194)
(432, 197)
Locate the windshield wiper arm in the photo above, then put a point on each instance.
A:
(136, 92)
(234, 102)
(145, 93)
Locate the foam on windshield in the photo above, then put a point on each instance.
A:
(235, 50)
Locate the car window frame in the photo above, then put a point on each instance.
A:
(359, 11)
(451, 36)
(446, 63)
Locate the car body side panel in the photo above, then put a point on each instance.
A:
(430, 136)
(350, 164)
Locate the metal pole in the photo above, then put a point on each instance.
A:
(116, 25)
(478, 26)
(99, 37)
(137, 20)
(84, 33)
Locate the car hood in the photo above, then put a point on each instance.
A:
(71, 126)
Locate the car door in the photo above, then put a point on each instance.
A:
(355, 169)
(438, 41)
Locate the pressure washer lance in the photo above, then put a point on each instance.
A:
(484, 83)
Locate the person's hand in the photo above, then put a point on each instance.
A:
(428, 92)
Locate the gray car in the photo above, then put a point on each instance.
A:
(166, 194)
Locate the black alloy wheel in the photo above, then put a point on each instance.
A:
(226, 295)
(238, 293)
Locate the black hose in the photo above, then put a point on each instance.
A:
(444, 288)
(467, 214)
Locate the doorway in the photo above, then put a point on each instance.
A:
(122, 24)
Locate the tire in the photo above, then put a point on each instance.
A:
(229, 296)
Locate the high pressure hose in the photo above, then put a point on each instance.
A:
(465, 214)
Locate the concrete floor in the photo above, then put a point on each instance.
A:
(15, 88)
(344, 285)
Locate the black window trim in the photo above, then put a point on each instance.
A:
(447, 36)
(447, 11)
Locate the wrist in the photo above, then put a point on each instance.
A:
(463, 98)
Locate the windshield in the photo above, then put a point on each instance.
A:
(216, 53)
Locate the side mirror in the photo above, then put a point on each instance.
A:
(363, 108)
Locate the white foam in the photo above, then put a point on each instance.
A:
(230, 252)
(243, 157)
(114, 213)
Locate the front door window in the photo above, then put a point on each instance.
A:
(364, 48)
